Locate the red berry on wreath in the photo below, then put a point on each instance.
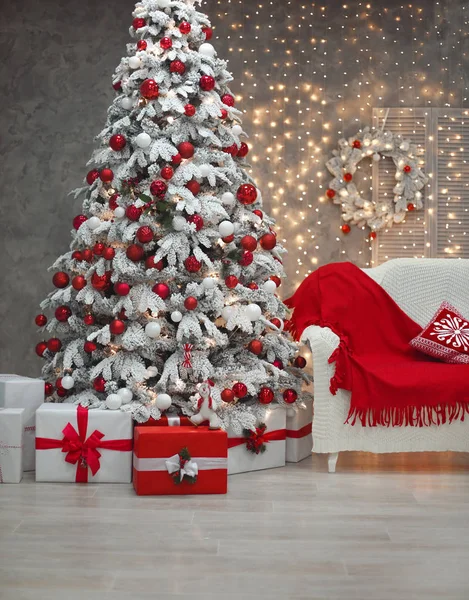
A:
(243, 150)
(240, 390)
(410, 206)
(40, 320)
(117, 142)
(158, 189)
(60, 279)
(162, 290)
(228, 99)
(330, 194)
(192, 264)
(228, 396)
(185, 27)
(117, 327)
(357, 144)
(99, 384)
(167, 172)
(176, 159)
(54, 345)
(121, 289)
(194, 186)
(186, 150)
(48, 389)
(247, 194)
(166, 43)
(41, 348)
(89, 347)
(248, 242)
(189, 110)
(89, 320)
(246, 259)
(231, 282)
(63, 313)
(208, 31)
(144, 234)
(266, 395)
(345, 228)
(290, 396)
(207, 83)
(149, 89)
(348, 177)
(268, 241)
(177, 66)
(109, 253)
(300, 362)
(78, 221)
(106, 175)
(190, 303)
(151, 264)
(92, 176)
(142, 45)
(256, 347)
(407, 169)
(138, 23)
(135, 252)
(133, 213)
(197, 220)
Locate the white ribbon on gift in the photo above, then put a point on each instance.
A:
(173, 465)
(161, 464)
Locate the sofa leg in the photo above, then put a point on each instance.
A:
(332, 461)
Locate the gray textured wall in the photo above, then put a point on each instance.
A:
(57, 58)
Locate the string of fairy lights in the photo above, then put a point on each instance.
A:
(308, 73)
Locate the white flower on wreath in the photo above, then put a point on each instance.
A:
(410, 179)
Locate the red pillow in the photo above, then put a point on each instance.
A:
(446, 336)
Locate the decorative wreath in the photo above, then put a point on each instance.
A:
(410, 179)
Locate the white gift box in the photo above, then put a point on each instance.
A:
(299, 432)
(74, 444)
(11, 444)
(242, 460)
(17, 391)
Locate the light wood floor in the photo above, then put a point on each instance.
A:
(381, 528)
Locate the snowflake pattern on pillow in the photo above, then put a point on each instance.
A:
(446, 337)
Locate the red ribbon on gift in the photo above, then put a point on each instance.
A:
(187, 364)
(81, 450)
(299, 433)
(271, 436)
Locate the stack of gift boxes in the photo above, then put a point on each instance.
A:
(69, 443)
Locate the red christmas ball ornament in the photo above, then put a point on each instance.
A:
(63, 313)
(92, 176)
(138, 23)
(278, 363)
(228, 99)
(121, 289)
(276, 280)
(190, 303)
(133, 213)
(228, 396)
(243, 150)
(258, 213)
(117, 327)
(61, 392)
(167, 173)
(231, 282)
(41, 348)
(98, 249)
(223, 113)
(194, 186)
(345, 229)
(256, 347)
(185, 27)
(246, 258)
(177, 66)
(240, 390)
(158, 188)
(290, 396)
(78, 282)
(60, 279)
(142, 45)
(300, 362)
(89, 320)
(162, 290)
(348, 177)
(247, 194)
(268, 241)
(192, 264)
(151, 264)
(189, 110)
(233, 150)
(87, 255)
(101, 282)
(248, 242)
(40, 320)
(357, 144)
(197, 220)
(266, 395)
(144, 234)
(176, 159)
(407, 169)
(410, 206)
(228, 239)
(99, 384)
(149, 89)
(373, 235)
(207, 83)
(78, 221)
(166, 43)
(134, 252)
(253, 285)
(89, 347)
(48, 389)
(77, 255)
(208, 31)
(276, 322)
(109, 253)
(117, 86)
(330, 194)
(54, 345)
(106, 175)
(186, 150)
(117, 142)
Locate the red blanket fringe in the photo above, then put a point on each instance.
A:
(409, 416)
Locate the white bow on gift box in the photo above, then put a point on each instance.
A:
(190, 468)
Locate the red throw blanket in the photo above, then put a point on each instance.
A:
(391, 383)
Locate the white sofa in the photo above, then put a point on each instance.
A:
(418, 286)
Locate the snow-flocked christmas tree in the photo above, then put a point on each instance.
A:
(172, 272)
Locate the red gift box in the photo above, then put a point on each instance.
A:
(161, 466)
(168, 421)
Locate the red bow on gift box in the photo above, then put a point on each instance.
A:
(256, 440)
(80, 450)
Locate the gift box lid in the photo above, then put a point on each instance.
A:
(152, 442)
